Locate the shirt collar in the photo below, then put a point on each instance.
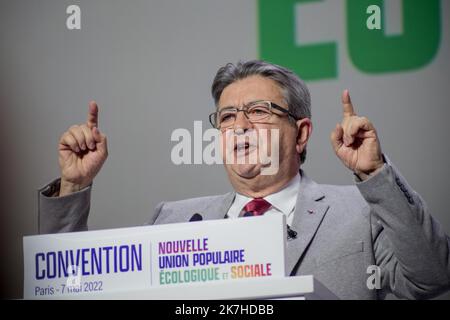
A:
(283, 200)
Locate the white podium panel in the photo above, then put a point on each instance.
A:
(176, 261)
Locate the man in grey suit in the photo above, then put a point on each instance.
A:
(339, 233)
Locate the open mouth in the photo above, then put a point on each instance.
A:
(241, 146)
(244, 147)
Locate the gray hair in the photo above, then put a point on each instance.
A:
(294, 90)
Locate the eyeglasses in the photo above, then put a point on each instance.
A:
(255, 112)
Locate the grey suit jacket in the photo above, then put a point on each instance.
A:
(342, 231)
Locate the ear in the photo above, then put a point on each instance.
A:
(304, 131)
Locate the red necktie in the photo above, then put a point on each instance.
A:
(256, 207)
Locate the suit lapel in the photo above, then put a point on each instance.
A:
(216, 211)
(310, 210)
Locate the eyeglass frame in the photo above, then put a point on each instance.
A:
(245, 108)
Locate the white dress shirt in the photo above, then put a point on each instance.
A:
(282, 201)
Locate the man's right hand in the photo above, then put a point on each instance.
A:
(82, 152)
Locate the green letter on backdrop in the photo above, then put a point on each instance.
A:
(371, 51)
(277, 42)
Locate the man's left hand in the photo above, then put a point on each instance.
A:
(356, 143)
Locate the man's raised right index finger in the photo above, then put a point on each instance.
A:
(92, 120)
(347, 105)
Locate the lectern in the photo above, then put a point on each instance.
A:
(216, 259)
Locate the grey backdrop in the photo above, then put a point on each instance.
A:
(149, 65)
